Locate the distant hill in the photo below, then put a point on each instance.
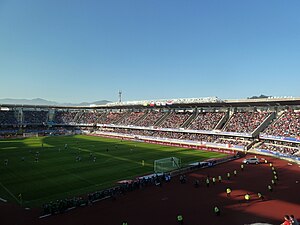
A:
(40, 101)
(257, 97)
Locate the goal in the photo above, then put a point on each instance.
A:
(166, 164)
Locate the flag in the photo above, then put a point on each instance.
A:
(169, 102)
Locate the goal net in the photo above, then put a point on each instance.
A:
(166, 164)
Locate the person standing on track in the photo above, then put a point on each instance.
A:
(180, 219)
(207, 182)
(228, 176)
(217, 211)
(228, 192)
(220, 178)
(286, 220)
(294, 220)
(235, 173)
(214, 180)
(270, 188)
(247, 197)
(196, 183)
(242, 167)
(260, 196)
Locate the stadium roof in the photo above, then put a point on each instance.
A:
(176, 103)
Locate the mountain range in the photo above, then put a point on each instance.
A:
(40, 101)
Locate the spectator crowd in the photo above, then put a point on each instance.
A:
(8, 118)
(287, 125)
(175, 119)
(132, 118)
(35, 117)
(245, 122)
(151, 119)
(289, 148)
(206, 120)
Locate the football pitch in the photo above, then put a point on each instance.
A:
(37, 170)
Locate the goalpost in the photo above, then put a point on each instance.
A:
(166, 164)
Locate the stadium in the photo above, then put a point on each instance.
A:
(147, 162)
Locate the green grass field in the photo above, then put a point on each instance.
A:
(57, 174)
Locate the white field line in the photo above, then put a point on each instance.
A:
(3, 200)
(8, 191)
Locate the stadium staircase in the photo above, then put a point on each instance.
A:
(263, 125)
(98, 118)
(189, 120)
(277, 117)
(122, 118)
(222, 122)
(256, 145)
(230, 115)
(104, 114)
(162, 119)
(252, 144)
(77, 116)
(141, 118)
(47, 117)
(19, 116)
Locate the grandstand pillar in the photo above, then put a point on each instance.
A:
(51, 115)
(19, 115)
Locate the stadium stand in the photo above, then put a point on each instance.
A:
(245, 122)
(8, 118)
(206, 120)
(151, 119)
(64, 117)
(111, 117)
(246, 125)
(287, 125)
(282, 147)
(175, 119)
(88, 118)
(35, 117)
(131, 119)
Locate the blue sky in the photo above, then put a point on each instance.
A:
(73, 51)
